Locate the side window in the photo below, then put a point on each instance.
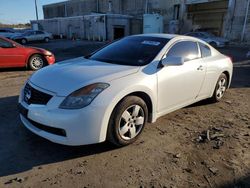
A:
(186, 49)
(39, 32)
(5, 44)
(205, 50)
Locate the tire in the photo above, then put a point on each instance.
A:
(36, 62)
(214, 44)
(46, 39)
(24, 41)
(220, 88)
(124, 126)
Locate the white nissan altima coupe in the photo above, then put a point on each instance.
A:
(112, 93)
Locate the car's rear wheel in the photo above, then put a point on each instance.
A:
(36, 62)
(46, 39)
(24, 41)
(214, 44)
(220, 88)
(127, 121)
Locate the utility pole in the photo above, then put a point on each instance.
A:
(36, 10)
(146, 7)
(245, 21)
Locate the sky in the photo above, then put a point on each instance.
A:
(21, 11)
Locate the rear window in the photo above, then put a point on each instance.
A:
(205, 50)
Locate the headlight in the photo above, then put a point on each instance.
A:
(47, 53)
(83, 97)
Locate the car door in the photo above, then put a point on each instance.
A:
(180, 85)
(10, 55)
(31, 36)
(39, 35)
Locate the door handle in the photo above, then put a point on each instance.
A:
(200, 68)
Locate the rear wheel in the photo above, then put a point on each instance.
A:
(220, 88)
(36, 62)
(24, 41)
(214, 44)
(46, 39)
(127, 121)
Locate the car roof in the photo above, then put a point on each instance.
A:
(159, 35)
(172, 36)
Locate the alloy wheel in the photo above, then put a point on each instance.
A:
(37, 62)
(131, 122)
(221, 88)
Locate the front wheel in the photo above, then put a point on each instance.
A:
(36, 62)
(220, 88)
(127, 121)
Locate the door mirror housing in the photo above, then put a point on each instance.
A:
(172, 61)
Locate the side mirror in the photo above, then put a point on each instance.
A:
(172, 61)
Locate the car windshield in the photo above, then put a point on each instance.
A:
(133, 51)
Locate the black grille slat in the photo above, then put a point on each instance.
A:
(36, 97)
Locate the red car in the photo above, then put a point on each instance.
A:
(13, 54)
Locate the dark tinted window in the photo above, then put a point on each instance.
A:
(205, 50)
(3, 31)
(195, 34)
(5, 44)
(39, 32)
(186, 49)
(134, 50)
(29, 33)
(192, 34)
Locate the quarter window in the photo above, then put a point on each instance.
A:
(186, 49)
(205, 50)
(39, 32)
(5, 44)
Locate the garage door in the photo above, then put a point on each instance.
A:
(208, 16)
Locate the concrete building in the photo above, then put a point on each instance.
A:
(227, 18)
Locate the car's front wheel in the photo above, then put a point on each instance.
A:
(127, 121)
(36, 62)
(220, 88)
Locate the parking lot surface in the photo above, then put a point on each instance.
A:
(173, 152)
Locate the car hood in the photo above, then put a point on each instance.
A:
(41, 50)
(68, 76)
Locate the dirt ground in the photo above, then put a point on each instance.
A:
(203, 145)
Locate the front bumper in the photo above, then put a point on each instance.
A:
(67, 127)
(50, 59)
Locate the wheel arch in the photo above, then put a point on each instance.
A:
(143, 94)
(32, 54)
(146, 98)
(228, 77)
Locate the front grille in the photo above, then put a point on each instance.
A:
(33, 96)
